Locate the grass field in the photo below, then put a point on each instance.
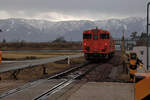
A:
(41, 46)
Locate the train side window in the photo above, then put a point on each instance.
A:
(86, 36)
(104, 36)
(95, 37)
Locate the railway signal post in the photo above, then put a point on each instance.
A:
(147, 40)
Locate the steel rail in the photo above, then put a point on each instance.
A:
(62, 85)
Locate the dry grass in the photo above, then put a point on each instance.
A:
(41, 46)
(37, 71)
(78, 60)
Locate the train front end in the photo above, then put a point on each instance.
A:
(97, 44)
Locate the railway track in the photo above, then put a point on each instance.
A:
(105, 72)
(48, 86)
(69, 78)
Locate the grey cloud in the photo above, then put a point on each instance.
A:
(112, 7)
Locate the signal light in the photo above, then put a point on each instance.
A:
(106, 44)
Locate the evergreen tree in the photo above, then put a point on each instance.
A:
(4, 41)
(133, 35)
(60, 39)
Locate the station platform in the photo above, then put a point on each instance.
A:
(140, 90)
(104, 91)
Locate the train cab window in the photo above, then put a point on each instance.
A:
(95, 37)
(104, 36)
(86, 36)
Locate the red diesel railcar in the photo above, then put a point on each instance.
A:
(98, 43)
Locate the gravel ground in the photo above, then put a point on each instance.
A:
(6, 85)
(107, 71)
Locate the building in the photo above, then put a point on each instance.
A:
(142, 54)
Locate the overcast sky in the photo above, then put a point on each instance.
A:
(62, 10)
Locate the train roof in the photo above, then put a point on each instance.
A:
(86, 31)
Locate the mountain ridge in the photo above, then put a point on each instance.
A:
(33, 30)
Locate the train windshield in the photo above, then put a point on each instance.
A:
(95, 37)
(104, 36)
(86, 36)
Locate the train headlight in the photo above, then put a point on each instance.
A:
(84, 44)
(105, 46)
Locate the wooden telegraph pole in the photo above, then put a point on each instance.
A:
(123, 44)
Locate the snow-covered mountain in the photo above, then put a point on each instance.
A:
(42, 30)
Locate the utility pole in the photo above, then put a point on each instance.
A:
(123, 44)
(1, 30)
(123, 52)
(147, 40)
(0, 51)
